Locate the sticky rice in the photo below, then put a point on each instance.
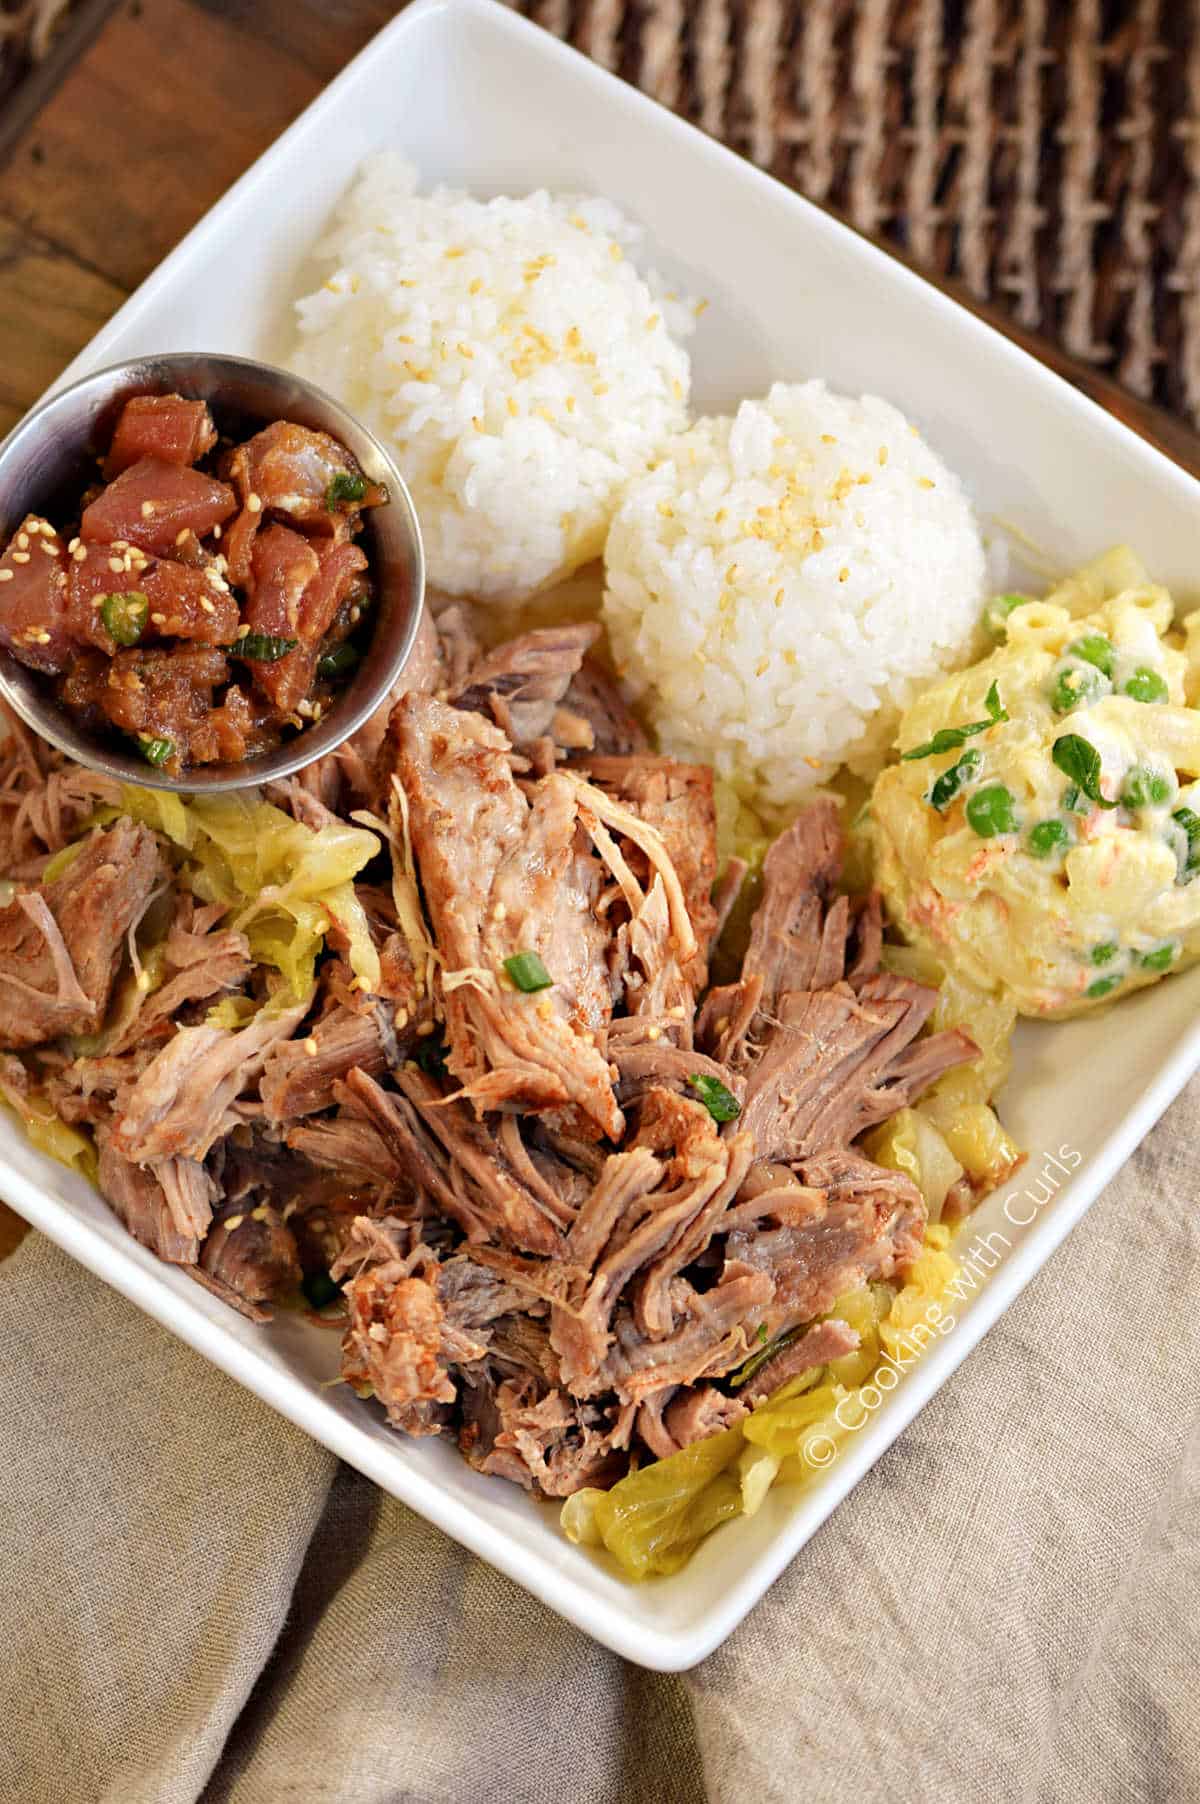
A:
(511, 355)
(781, 582)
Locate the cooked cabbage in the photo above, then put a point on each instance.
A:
(910, 1142)
(653, 1519)
(971, 1129)
(287, 883)
(741, 833)
(958, 1106)
(47, 1131)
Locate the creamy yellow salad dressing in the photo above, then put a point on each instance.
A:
(1099, 661)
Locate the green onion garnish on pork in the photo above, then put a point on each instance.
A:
(157, 751)
(761, 1355)
(265, 648)
(430, 1055)
(1078, 759)
(320, 1290)
(125, 615)
(528, 972)
(948, 739)
(720, 1102)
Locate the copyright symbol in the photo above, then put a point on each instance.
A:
(819, 1451)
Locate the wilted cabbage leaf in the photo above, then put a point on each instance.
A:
(653, 1520)
(44, 1128)
(286, 883)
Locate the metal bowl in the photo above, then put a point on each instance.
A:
(49, 459)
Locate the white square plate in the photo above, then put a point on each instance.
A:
(477, 97)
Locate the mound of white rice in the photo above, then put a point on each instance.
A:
(780, 582)
(510, 354)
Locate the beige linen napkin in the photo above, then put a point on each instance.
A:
(1007, 1609)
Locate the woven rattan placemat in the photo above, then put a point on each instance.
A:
(1046, 155)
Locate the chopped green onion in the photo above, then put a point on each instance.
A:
(1189, 862)
(125, 615)
(264, 648)
(337, 662)
(1145, 686)
(1047, 837)
(997, 611)
(1078, 759)
(948, 739)
(1094, 649)
(430, 1055)
(721, 1103)
(528, 972)
(759, 1358)
(345, 487)
(762, 1333)
(992, 810)
(953, 778)
(1145, 788)
(1104, 953)
(1160, 959)
(1104, 986)
(1077, 685)
(320, 1290)
(157, 751)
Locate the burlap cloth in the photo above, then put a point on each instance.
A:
(196, 1603)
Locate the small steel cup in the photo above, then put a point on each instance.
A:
(50, 458)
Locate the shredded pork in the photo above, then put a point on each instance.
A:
(546, 1240)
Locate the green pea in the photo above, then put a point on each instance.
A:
(1188, 854)
(1094, 649)
(1160, 959)
(1145, 686)
(1146, 788)
(992, 810)
(1104, 986)
(1105, 952)
(1048, 837)
(997, 611)
(1077, 685)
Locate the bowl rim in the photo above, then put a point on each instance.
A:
(52, 724)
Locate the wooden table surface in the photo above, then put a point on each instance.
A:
(163, 105)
